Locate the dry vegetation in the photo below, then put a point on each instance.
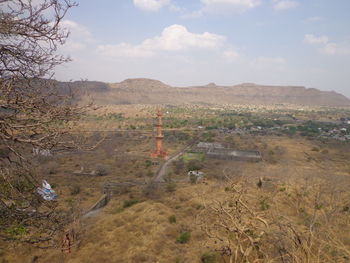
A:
(291, 207)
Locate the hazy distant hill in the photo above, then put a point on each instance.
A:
(147, 91)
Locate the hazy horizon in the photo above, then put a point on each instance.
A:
(204, 84)
(228, 42)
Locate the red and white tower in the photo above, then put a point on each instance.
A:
(159, 138)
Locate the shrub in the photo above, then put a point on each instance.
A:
(150, 173)
(148, 163)
(183, 238)
(21, 185)
(150, 189)
(208, 258)
(16, 231)
(259, 183)
(75, 189)
(51, 167)
(264, 205)
(167, 177)
(102, 170)
(194, 165)
(118, 210)
(130, 202)
(171, 187)
(282, 189)
(198, 206)
(139, 174)
(179, 260)
(318, 206)
(178, 166)
(172, 219)
(193, 178)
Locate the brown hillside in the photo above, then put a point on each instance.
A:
(147, 91)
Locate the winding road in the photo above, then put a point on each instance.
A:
(159, 177)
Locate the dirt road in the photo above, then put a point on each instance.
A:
(159, 177)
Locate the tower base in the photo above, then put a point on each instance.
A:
(161, 154)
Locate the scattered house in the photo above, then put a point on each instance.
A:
(345, 120)
(338, 137)
(204, 147)
(234, 155)
(42, 152)
(210, 145)
(216, 150)
(83, 172)
(198, 175)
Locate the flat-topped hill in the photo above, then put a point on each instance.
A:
(148, 91)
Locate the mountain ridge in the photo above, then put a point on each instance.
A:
(150, 91)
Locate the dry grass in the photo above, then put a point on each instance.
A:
(301, 186)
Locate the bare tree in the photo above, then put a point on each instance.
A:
(251, 225)
(33, 114)
(234, 228)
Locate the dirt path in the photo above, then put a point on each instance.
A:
(159, 177)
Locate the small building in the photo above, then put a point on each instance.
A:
(197, 174)
(234, 155)
(203, 147)
(210, 145)
(216, 150)
(41, 152)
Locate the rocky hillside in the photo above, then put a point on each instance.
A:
(147, 91)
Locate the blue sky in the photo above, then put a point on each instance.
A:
(183, 43)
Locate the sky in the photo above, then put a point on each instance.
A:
(196, 42)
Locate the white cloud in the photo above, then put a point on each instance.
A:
(314, 40)
(336, 49)
(151, 5)
(173, 38)
(230, 55)
(175, 8)
(284, 4)
(79, 36)
(76, 29)
(228, 6)
(327, 47)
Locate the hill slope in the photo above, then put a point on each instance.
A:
(147, 91)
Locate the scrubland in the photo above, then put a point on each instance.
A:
(293, 206)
